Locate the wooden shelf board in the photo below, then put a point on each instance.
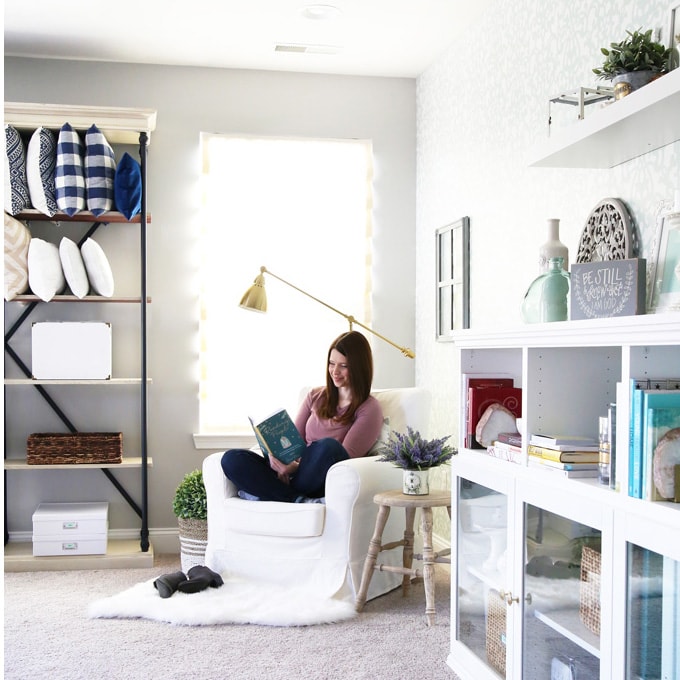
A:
(73, 298)
(118, 124)
(32, 215)
(64, 381)
(128, 462)
(121, 554)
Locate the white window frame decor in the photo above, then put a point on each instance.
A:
(453, 278)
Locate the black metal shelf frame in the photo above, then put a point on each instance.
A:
(142, 508)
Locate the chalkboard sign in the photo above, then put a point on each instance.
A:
(604, 289)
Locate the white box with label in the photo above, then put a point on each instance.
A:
(70, 529)
(71, 350)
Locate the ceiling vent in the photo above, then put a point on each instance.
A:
(307, 49)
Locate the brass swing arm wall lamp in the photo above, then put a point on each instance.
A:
(255, 299)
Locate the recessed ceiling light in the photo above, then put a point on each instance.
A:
(320, 12)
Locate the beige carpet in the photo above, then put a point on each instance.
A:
(48, 635)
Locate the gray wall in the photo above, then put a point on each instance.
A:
(190, 101)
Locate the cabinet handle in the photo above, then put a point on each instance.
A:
(509, 599)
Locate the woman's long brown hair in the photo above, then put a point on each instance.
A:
(355, 348)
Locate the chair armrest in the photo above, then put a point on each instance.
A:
(217, 486)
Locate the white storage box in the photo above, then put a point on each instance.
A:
(70, 529)
(71, 350)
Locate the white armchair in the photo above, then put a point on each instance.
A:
(322, 545)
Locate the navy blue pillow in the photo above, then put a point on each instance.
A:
(17, 196)
(128, 186)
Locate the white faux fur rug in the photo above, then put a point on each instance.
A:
(237, 601)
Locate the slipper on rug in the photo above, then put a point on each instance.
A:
(237, 601)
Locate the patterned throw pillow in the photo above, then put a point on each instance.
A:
(45, 275)
(69, 177)
(16, 184)
(98, 268)
(73, 267)
(100, 170)
(41, 161)
(17, 240)
(128, 186)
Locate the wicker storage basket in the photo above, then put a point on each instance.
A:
(193, 540)
(495, 630)
(54, 448)
(589, 605)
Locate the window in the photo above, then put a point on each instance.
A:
(302, 208)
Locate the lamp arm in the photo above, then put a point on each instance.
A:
(350, 319)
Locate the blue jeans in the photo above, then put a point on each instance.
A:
(250, 472)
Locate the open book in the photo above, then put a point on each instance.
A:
(278, 437)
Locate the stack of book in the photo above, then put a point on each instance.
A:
(654, 411)
(571, 456)
(508, 447)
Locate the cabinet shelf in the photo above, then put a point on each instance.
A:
(567, 622)
(87, 298)
(644, 121)
(64, 381)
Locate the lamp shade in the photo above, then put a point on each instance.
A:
(255, 297)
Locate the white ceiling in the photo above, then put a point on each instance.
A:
(394, 38)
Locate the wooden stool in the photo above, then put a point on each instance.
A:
(387, 500)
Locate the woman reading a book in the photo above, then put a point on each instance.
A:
(339, 421)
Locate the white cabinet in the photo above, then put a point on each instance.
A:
(65, 397)
(520, 534)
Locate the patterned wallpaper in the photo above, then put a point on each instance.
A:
(481, 108)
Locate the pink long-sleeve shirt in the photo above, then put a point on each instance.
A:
(357, 437)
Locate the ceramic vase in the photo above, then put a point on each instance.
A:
(416, 482)
(552, 247)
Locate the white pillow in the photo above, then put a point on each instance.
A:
(41, 161)
(17, 240)
(74, 267)
(98, 268)
(383, 438)
(45, 275)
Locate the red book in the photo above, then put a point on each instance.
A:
(480, 398)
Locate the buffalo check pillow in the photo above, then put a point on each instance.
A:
(69, 176)
(100, 170)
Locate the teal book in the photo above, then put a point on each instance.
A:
(658, 421)
(278, 437)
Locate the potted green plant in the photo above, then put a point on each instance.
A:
(634, 62)
(190, 506)
(416, 456)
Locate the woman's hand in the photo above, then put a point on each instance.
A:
(283, 471)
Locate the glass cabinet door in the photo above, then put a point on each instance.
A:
(482, 542)
(653, 615)
(561, 598)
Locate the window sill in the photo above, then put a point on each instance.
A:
(222, 441)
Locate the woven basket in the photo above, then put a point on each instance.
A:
(589, 605)
(495, 630)
(54, 448)
(193, 540)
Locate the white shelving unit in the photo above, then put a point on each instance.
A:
(568, 372)
(645, 120)
(120, 126)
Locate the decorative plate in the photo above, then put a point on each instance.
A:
(609, 234)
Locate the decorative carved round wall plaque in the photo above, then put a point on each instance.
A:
(609, 234)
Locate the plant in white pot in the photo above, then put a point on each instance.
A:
(416, 456)
(634, 62)
(190, 506)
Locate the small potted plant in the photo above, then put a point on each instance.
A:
(190, 506)
(416, 456)
(634, 62)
